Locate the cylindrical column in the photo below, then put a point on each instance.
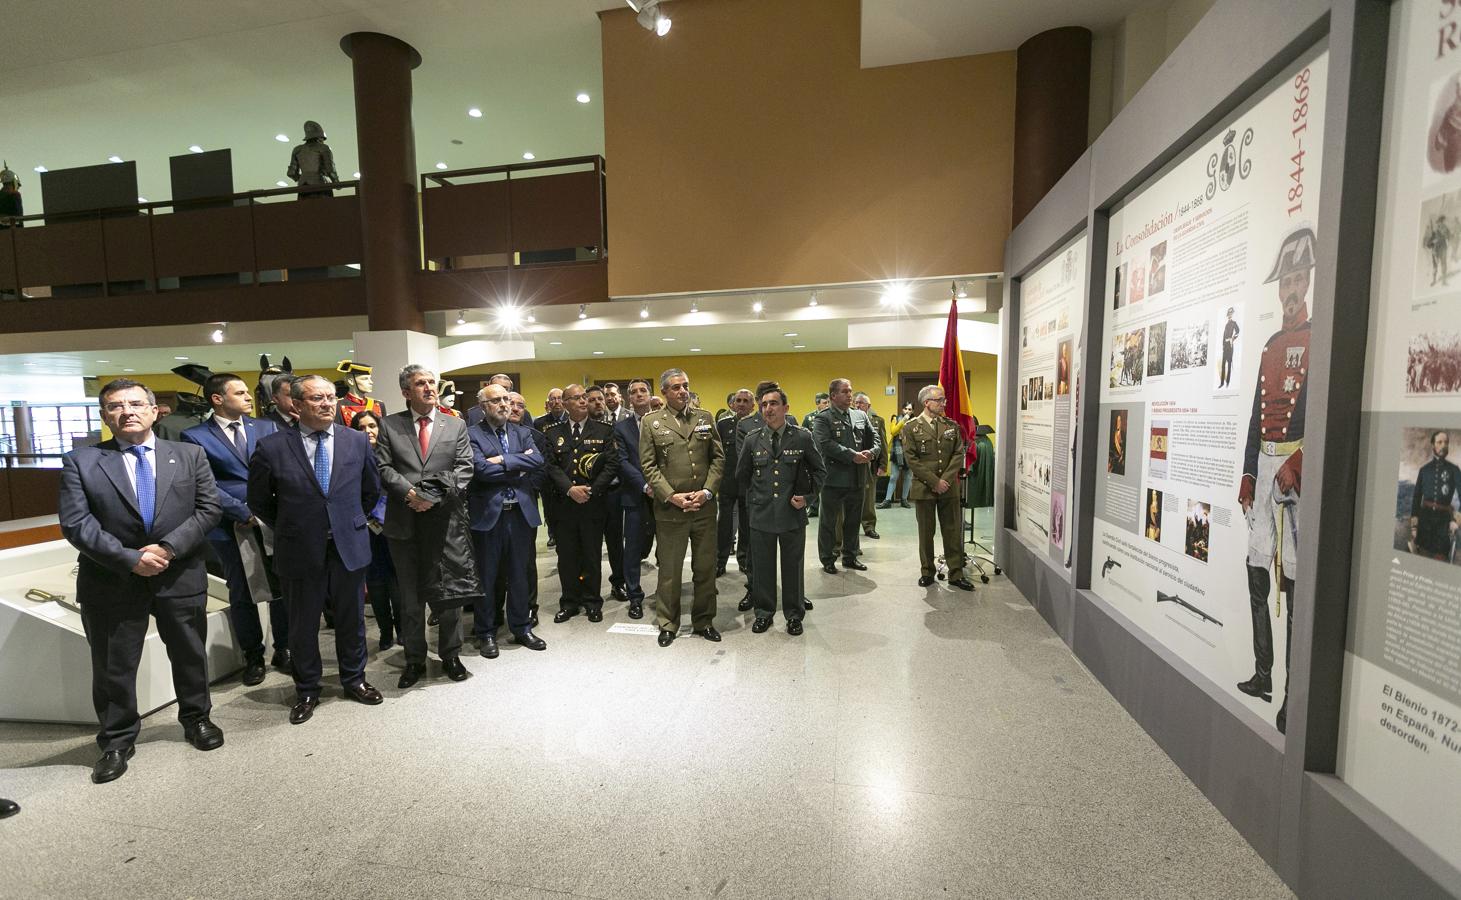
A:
(1052, 111)
(389, 219)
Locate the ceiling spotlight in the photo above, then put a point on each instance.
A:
(42, 169)
(103, 360)
(219, 333)
(529, 155)
(598, 353)
(668, 340)
(461, 317)
(509, 317)
(194, 148)
(282, 183)
(650, 18)
(532, 318)
(788, 334)
(282, 138)
(583, 310)
(798, 346)
(356, 176)
(582, 97)
(129, 370)
(694, 349)
(813, 301)
(644, 311)
(181, 358)
(141, 199)
(114, 158)
(960, 291)
(895, 294)
(757, 306)
(694, 306)
(555, 343)
(441, 165)
(475, 113)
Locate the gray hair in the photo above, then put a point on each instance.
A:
(667, 374)
(482, 394)
(411, 371)
(927, 391)
(123, 384)
(494, 380)
(296, 390)
(861, 396)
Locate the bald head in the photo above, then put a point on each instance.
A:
(495, 405)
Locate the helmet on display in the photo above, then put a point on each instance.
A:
(8, 177)
(1295, 254)
(313, 131)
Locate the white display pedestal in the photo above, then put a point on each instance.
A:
(45, 662)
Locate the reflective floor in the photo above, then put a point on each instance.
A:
(912, 743)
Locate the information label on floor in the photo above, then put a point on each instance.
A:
(1206, 336)
(1052, 303)
(1400, 735)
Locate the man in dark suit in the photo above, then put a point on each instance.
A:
(229, 438)
(582, 463)
(847, 442)
(779, 472)
(734, 523)
(139, 510)
(283, 415)
(506, 464)
(634, 496)
(425, 466)
(315, 487)
(598, 409)
(552, 414)
(474, 415)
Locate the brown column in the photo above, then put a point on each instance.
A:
(1052, 111)
(389, 218)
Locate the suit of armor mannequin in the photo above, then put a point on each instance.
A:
(312, 163)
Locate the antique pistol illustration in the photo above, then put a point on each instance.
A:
(1108, 565)
(1173, 598)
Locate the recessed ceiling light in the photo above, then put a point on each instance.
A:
(356, 176)
(529, 155)
(282, 138)
(180, 358)
(644, 311)
(583, 310)
(441, 165)
(668, 340)
(114, 158)
(42, 169)
(694, 349)
(103, 360)
(788, 334)
(475, 113)
(757, 306)
(282, 183)
(694, 306)
(813, 301)
(598, 353)
(355, 266)
(555, 343)
(582, 97)
(141, 199)
(532, 318)
(895, 294)
(798, 346)
(28, 364)
(129, 370)
(194, 148)
(462, 317)
(218, 335)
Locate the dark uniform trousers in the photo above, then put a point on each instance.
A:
(840, 505)
(676, 531)
(945, 510)
(580, 552)
(507, 560)
(792, 547)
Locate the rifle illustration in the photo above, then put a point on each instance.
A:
(1108, 565)
(1173, 598)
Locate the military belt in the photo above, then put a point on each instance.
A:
(1282, 448)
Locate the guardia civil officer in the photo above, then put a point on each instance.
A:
(848, 442)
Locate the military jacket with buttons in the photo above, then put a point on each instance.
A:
(770, 479)
(933, 450)
(680, 452)
(1433, 505)
(1276, 426)
(592, 459)
(839, 434)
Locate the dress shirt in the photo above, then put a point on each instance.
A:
(416, 423)
(308, 436)
(130, 458)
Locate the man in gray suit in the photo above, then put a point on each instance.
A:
(139, 509)
(425, 462)
(848, 442)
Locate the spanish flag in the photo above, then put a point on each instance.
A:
(956, 391)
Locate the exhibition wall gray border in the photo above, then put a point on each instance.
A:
(1303, 821)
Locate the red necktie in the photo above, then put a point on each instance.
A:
(421, 436)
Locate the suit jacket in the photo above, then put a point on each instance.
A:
(518, 472)
(100, 517)
(729, 483)
(447, 464)
(631, 476)
(837, 442)
(280, 420)
(230, 467)
(283, 493)
(769, 481)
(592, 460)
(932, 451)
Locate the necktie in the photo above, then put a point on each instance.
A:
(146, 486)
(322, 461)
(775, 443)
(239, 441)
(510, 494)
(575, 430)
(422, 437)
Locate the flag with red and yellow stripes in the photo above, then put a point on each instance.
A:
(956, 391)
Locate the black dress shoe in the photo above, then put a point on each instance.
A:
(666, 637)
(533, 617)
(282, 661)
(1260, 686)
(489, 647)
(253, 672)
(906, 505)
(806, 604)
(884, 505)
(204, 735)
(961, 583)
(925, 580)
(829, 568)
(112, 765)
(1281, 721)
(794, 627)
(719, 569)
(812, 514)
(8, 808)
(636, 609)
(853, 564)
(364, 693)
(564, 615)
(411, 674)
(618, 594)
(451, 667)
(708, 632)
(761, 624)
(868, 532)
(386, 645)
(552, 542)
(303, 708)
(745, 604)
(596, 615)
(531, 641)
(433, 620)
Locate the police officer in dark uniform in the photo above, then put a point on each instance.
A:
(582, 462)
(779, 470)
(1433, 503)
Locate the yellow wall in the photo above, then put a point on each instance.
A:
(167, 381)
(801, 375)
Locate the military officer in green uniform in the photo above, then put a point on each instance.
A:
(682, 459)
(869, 500)
(934, 449)
(847, 441)
(779, 471)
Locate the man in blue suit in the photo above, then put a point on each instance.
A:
(633, 496)
(315, 486)
(229, 439)
(506, 464)
(139, 509)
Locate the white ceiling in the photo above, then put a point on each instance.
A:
(904, 31)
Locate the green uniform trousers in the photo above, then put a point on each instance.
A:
(793, 550)
(946, 510)
(675, 532)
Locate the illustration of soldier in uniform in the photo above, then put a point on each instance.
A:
(1230, 337)
(1437, 238)
(1274, 457)
(1433, 519)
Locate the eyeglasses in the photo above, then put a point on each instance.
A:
(320, 398)
(133, 405)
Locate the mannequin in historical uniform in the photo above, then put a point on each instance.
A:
(358, 387)
(312, 164)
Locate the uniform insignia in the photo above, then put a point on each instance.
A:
(560, 440)
(1293, 357)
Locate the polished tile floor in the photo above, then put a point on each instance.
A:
(913, 743)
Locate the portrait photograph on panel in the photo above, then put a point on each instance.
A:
(1427, 505)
